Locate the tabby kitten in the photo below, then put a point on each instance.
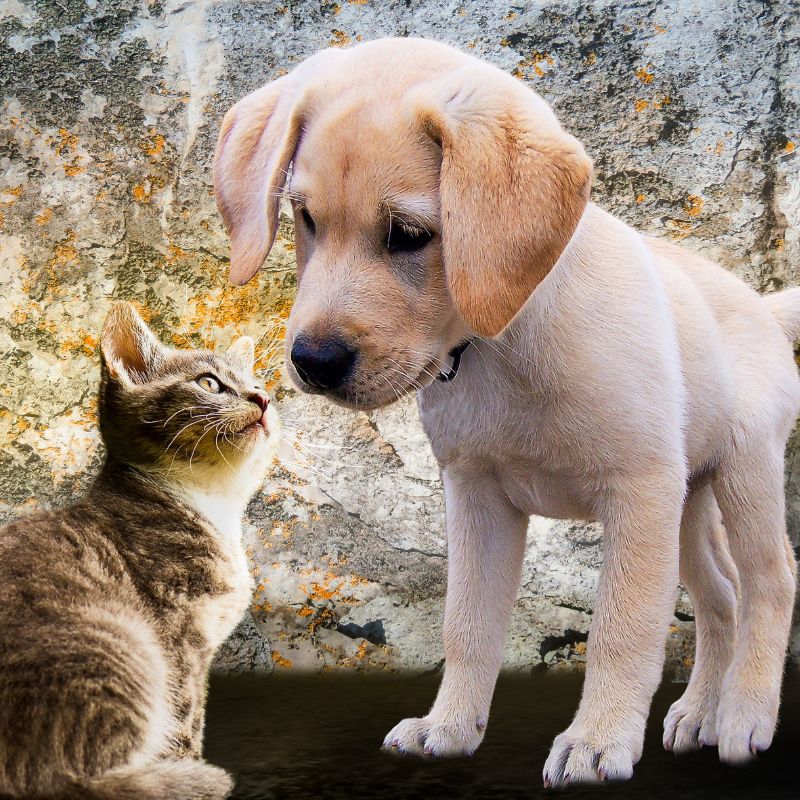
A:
(113, 607)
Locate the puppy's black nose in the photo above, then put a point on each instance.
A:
(323, 363)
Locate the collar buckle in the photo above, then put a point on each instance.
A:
(455, 354)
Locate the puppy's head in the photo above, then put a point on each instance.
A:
(431, 194)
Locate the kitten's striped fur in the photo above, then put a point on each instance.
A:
(113, 607)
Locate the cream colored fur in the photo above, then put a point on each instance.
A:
(618, 378)
(221, 499)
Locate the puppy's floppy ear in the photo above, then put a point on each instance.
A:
(130, 350)
(513, 186)
(256, 145)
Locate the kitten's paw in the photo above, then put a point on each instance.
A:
(746, 723)
(424, 736)
(581, 757)
(691, 723)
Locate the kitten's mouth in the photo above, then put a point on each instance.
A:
(257, 426)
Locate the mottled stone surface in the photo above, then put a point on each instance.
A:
(110, 108)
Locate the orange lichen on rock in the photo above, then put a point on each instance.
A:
(644, 74)
(340, 39)
(64, 253)
(10, 195)
(83, 343)
(44, 217)
(141, 192)
(66, 143)
(280, 660)
(154, 145)
(694, 205)
(657, 103)
(535, 62)
(678, 229)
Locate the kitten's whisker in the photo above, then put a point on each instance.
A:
(180, 411)
(275, 335)
(316, 446)
(301, 461)
(194, 449)
(216, 444)
(185, 427)
(294, 441)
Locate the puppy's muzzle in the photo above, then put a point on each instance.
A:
(323, 363)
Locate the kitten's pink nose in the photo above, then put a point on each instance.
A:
(261, 399)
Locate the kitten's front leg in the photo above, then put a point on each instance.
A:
(486, 543)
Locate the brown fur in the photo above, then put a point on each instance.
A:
(105, 639)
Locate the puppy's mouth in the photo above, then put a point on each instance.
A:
(378, 387)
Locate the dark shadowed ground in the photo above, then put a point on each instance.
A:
(319, 737)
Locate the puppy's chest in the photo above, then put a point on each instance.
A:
(472, 420)
(514, 437)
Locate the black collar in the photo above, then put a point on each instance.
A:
(455, 354)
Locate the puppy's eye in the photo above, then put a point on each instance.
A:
(404, 238)
(209, 383)
(308, 220)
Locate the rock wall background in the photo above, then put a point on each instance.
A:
(110, 109)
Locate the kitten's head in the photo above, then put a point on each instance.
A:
(186, 414)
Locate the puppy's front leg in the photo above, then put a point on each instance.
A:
(486, 543)
(635, 601)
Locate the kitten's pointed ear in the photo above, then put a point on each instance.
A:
(244, 351)
(130, 350)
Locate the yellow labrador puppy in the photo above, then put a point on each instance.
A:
(608, 376)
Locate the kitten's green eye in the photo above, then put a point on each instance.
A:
(209, 384)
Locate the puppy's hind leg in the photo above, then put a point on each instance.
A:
(710, 577)
(749, 489)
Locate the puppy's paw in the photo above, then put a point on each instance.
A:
(691, 723)
(746, 723)
(581, 757)
(424, 736)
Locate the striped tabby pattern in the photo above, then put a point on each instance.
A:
(113, 607)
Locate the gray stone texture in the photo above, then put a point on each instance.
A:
(110, 110)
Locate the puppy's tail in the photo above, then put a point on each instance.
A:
(176, 779)
(785, 307)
